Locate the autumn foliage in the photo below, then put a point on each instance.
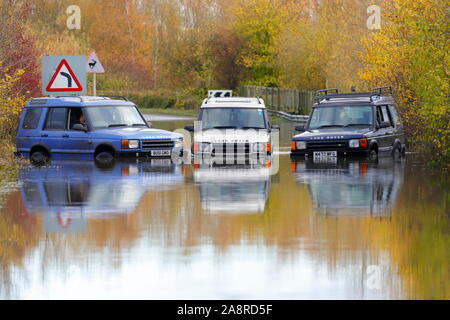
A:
(182, 48)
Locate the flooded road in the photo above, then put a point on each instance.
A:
(154, 230)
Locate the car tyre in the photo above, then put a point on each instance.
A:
(39, 158)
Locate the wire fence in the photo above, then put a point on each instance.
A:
(286, 100)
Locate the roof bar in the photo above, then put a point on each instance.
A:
(326, 91)
(114, 96)
(344, 95)
(79, 97)
(381, 90)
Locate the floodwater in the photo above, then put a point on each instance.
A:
(154, 230)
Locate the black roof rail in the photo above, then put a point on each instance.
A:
(344, 95)
(114, 96)
(381, 90)
(326, 91)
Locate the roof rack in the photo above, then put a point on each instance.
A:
(381, 90)
(114, 96)
(326, 91)
(324, 94)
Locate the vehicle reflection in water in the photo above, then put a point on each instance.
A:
(69, 192)
(348, 187)
(233, 189)
(184, 242)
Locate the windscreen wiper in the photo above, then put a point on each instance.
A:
(330, 126)
(139, 125)
(251, 128)
(357, 125)
(225, 127)
(117, 125)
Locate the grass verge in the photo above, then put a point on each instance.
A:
(9, 164)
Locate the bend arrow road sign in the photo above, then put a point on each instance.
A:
(64, 80)
(63, 75)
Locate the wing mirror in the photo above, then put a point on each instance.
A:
(80, 127)
(189, 128)
(300, 128)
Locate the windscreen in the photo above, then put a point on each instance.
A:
(342, 116)
(114, 116)
(233, 118)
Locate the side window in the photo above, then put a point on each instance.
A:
(379, 115)
(32, 118)
(56, 119)
(76, 117)
(395, 116)
(385, 114)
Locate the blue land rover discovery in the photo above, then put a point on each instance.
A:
(89, 127)
(348, 124)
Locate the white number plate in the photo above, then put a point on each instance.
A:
(160, 153)
(325, 154)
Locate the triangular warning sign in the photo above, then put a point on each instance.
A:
(94, 65)
(64, 79)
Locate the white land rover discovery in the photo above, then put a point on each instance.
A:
(233, 127)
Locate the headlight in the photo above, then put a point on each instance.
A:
(301, 145)
(259, 147)
(133, 144)
(179, 143)
(130, 144)
(354, 143)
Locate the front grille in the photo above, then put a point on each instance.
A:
(327, 145)
(231, 148)
(158, 144)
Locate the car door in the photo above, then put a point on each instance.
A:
(398, 125)
(75, 141)
(383, 134)
(54, 129)
(389, 131)
(28, 133)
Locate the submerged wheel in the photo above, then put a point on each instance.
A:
(39, 157)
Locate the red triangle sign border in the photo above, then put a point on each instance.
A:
(74, 78)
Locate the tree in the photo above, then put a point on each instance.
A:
(411, 52)
(17, 50)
